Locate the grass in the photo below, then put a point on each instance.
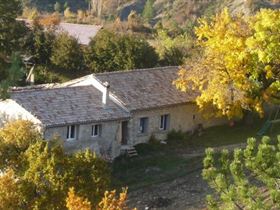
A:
(158, 163)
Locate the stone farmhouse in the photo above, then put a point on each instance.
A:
(108, 112)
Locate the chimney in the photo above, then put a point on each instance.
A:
(105, 96)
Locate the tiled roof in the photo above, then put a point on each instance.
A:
(146, 88)
(82, 32)
(70, 105)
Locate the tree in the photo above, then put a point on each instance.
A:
(238, 68)
(111, 52)
(15, 138)
(44, 172)
(49, 21)
(41, 44)
(11, 29)
(247, 180)
(57, 7)
(12, 36)
(68, 14)
(66, 53)
(11, 75)
(172, 49)
(148, 12)
(10, 195)
(74, 202)
(109, 201)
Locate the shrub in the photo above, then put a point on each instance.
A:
(66, 53)
(111, 52)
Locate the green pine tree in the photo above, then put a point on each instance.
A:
(148, 12)
(246, 179)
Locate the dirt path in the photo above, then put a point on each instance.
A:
(183, 193)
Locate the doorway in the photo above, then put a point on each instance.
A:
(124, 137)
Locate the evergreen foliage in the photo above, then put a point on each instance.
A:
(111, 52)
(12, 39)
(248, 179)
(148, 12)
(66, 53)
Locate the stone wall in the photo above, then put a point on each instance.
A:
(182, 117)
(108, 144)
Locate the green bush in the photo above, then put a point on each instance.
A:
(112, 52)
(67, 54)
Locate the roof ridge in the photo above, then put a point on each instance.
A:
(49, 89)
(135, 70)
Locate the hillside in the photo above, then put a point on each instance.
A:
(170, 13)
(182, 12)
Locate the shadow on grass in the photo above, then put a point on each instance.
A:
(158, 163)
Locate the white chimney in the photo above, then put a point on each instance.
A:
(105, 96)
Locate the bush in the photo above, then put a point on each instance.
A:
(111, 52)
(66, 53)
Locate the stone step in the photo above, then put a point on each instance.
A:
(131, 152)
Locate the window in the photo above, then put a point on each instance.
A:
(143, 128)
(71, 132)
(164, 122)
(96, 130)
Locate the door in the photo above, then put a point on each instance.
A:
(124, 138)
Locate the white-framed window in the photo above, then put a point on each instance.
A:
(71, 132)
(164, 122)
(96, 130)
(143, 125)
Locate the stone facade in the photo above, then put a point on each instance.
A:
(108, 144)
(183, 117)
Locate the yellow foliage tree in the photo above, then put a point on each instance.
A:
(68, 14)
(49, 21)
(109, 202)
(20, 133)
(238, 67)
(9, 191)
(74, 202)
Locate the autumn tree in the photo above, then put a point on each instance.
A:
(10, 193)
(248, 179)
(49, 21)
(44, 172)
(111, 52)
(66, 53)
(238, 68)
(15, 138)
(110, 201)
(74, 202)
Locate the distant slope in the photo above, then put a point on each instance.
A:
(182, 11)
(170, 12)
